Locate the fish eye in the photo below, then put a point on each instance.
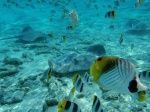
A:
(99, 59)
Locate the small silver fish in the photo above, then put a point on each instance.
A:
(121, 39)
(132, 46)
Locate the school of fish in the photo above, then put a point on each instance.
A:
(110, 73)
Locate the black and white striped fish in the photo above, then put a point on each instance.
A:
(117, 74)
(111, 14)
(68, 106)
(144, 75)
(78, 82)
(86, 77)
(96, 106)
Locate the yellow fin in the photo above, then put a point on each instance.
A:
(72, 27)
(140, 2)
(114, 14)
(74, 78)
(51, 35)
(73, 90)
(61, 105)
(64, 103)
(71, 94)
(142, 96)
(64, 38)
(60, 110)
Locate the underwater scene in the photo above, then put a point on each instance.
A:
(74, 56)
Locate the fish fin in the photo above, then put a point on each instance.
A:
(141, 2)
(94, 72)
(74, 78)
(110, 80)
(60, 110)
(142, 96)
(86, 77)
(141, 87)
(114, 14)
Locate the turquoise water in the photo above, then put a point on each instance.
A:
(24, 55)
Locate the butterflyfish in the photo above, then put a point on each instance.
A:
(49, 75)
(78, 82)
(138, 3)
(96, 106)
(70, 28)
(144, 75)
(117, 74)
(121, 39)
(64, 38)
(86, 77)
(51, 35)
(68, 106)
(111, 14)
